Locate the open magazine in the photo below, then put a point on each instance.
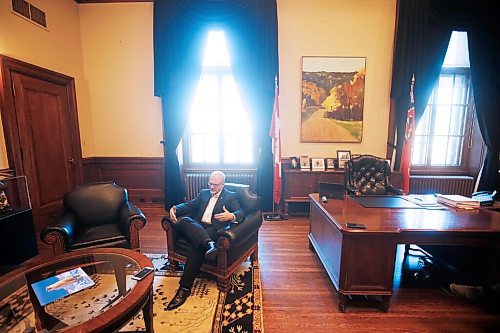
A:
(61, 285)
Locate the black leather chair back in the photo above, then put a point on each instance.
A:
(368, 174)
(95, 203)
(247, 200)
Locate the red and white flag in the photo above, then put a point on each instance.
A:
(408, 142)
(274, 133)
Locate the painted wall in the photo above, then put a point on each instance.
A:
(344, 28)
(117, 43)
(57, 48)
(108, 49)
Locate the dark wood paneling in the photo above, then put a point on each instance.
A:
(143, 177)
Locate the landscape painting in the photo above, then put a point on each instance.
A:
(333, 90)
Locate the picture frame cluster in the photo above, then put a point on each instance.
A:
(306, 163)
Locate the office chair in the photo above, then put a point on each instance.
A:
(369, 175)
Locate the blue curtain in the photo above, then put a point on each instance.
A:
(180, 30)
(423, 32)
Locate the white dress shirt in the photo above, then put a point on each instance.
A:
(207, 216)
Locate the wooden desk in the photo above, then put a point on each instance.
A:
(361, 262)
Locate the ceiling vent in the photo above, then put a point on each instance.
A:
(32, 13)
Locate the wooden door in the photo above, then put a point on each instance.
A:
(44, 140)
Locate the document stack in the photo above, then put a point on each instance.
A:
(457, 201)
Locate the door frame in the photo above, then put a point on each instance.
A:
(10, 65)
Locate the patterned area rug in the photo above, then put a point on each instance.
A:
(206, 310)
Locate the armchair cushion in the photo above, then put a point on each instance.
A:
(108, 235)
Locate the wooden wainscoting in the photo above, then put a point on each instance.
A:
(143, 177)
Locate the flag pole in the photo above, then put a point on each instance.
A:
(408, 141)
(274, 133)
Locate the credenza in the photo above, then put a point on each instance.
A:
(298, 184)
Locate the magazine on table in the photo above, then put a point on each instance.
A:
(61, 285)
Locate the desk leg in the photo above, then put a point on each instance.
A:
(342, 302)
(147, 312)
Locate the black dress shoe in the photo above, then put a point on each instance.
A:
(180, 297)
(211, 253)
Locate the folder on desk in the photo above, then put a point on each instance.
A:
(457, 201)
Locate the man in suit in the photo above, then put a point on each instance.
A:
(213, 209)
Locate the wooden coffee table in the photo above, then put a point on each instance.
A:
(106, 307)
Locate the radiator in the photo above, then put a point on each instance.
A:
(196, 181)
(463, 185)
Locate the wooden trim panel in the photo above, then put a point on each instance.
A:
(143, 177)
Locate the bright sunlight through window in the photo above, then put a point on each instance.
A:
(219, 131)
(441, 133)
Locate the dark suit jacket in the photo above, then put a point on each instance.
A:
(196, 207)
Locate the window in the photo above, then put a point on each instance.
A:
(218, 132)
(442, 138)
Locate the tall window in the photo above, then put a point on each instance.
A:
(219, 133)
(442, 137)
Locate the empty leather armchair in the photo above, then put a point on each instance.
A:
(236, 243)
(369, 175)
(95, 215)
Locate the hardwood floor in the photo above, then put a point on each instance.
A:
(298, 295)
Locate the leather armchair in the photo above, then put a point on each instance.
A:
(236, 243)
(95, 215)
(369, 175)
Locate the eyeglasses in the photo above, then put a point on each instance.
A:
(213, 184)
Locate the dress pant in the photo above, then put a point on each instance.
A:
(199, 234)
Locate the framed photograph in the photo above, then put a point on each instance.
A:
(305, 163)
(318, 164)
(294, 163)
(343, 156)
(333, 95)
(330, 163)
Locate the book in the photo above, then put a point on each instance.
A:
(457, 201)
(56, 287)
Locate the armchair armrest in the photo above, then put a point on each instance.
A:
(131, 221)
(60, 231)
(131, 217)
(237, 233)
(171, 231)
(350, 189)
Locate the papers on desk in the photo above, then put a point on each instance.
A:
(424, 201)
(457, 201)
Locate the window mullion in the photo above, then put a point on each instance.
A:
(432, 120)
(221, 116)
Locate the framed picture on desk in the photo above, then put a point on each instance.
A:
(305, 163)
(318, 164)
(343, 156)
